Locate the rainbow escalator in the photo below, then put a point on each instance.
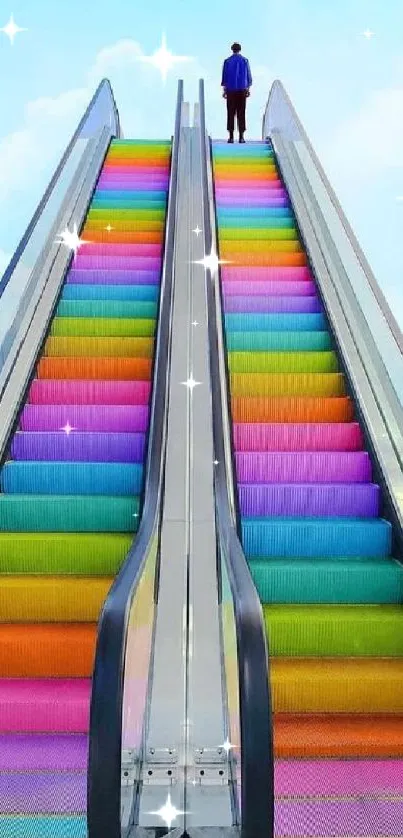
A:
(317, 544)
(71, 489)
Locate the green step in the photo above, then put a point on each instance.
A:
(282, 362)
(68, 513)
(334, 630)
(107, 308)
(63, 553)
(101, 327)
(278, 341)
(357, 581)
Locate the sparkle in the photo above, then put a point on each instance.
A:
(67, 428)
(368, 34)
(168, 812)
(163, 59)
(197, 230)
(191, 383)
(109, 228)
(226, 746)
(11, 30)
(216, 462)
(211, 261)
(195, 323)
(71, 239)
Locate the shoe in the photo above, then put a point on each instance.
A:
(241, 140)
(231, 140)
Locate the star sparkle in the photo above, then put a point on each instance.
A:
(211, 261)
(190, 383)
(109, 228)
(226, 746)
(11, 30)
(197, 230)
(168, 812)
(67, 428)
(195, 323)
(163, 59)
(71, 239)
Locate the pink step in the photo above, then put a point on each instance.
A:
(298, 437)
(275, 288)
(262, 273)
(330, 777)
(51, 391)
(44, 705)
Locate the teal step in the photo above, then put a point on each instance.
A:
(275, 322)
(66, 513)
(278, 341)
(107, 308)
(312, 537)
(125, 293)
(43, 826)
(129, 203)
(349, 581)
(63, 478)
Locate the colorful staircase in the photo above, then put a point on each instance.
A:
(318, 548)
(71, 489)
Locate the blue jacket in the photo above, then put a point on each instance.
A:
(236, 74)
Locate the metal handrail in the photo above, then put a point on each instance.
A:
(104, 771)
(257, 792)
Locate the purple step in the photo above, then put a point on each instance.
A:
(74, 446)
(57, 792)
(95, 276)
(268, 288)
(100, 417)
(30, 752)
(340, 436)
(305, 467)
(133, 181)
(358, 500)
(49, 391)
(246, 304)
(141, 263)
(364, 817)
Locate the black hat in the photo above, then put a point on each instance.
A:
(236, 47)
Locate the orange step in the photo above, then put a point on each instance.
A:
(101, 235)
(292, 409)
(317, 737)
(47, 650)
(106, 369)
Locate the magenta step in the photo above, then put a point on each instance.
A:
(249, 304)
(356, 500)
(119, 276)
(113, 249)
(245, 273)
(278, 199)
(132, 182)
(57, 391)
(263, 189)
(140, 263)
(328, 777)
(77, 447)
(57, 791)
(305, 467)
(100, 417)
(274, 288)
(147, 171)
(31, 752)
(44, 705)
(358, 818)
(297, 437)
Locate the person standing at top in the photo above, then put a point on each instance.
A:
(236, 81)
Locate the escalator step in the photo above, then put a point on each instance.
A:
(101, 326)
(279, 362)
(285, 384)
(133, 348)
(68, 513)
(298, 437)
(276, 322)
(350, 581)
(114, 276)
(233, 273)
(87, 392)
(303, 467)
(106, 301)
(308, 537)
(76, 446)
(58, 792)
(267, 288)
(72, 478)
(331, 685)
(341, 500)
(47, 650)
(112, 369)
(100, 417)
(63, 553)
(272, 305)
(44, 705)
(31, 752)
(286, 409)
(43, 826)
(52, 599)
(338, 736)
(335, 630)
(254, 342)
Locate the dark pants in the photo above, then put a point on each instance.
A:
(236, 106)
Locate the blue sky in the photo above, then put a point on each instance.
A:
(347, 90)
